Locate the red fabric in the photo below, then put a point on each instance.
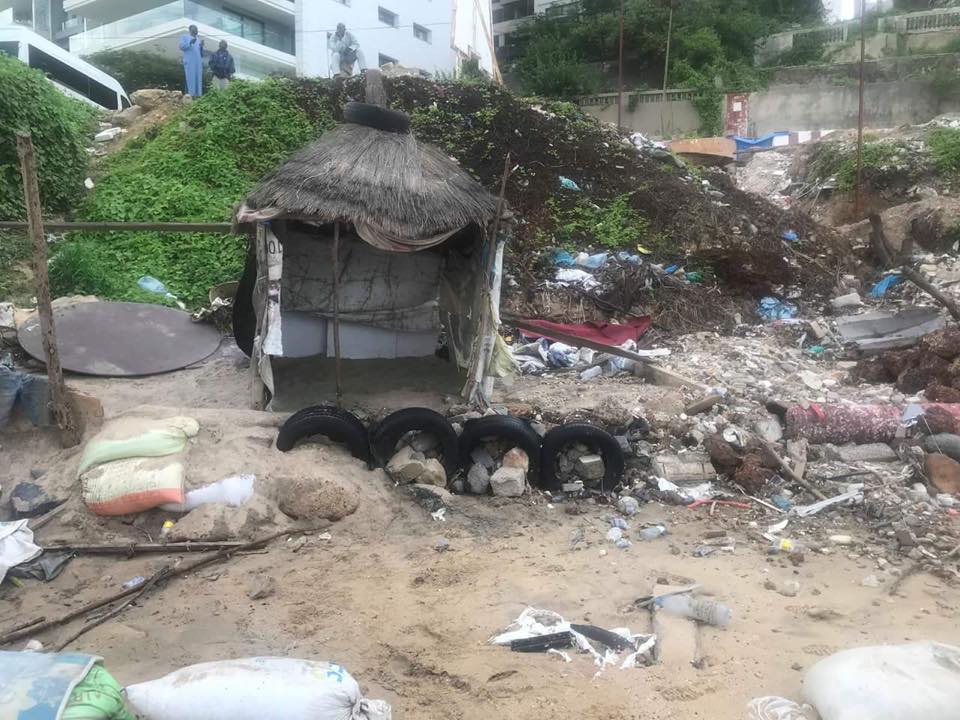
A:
(604, 333)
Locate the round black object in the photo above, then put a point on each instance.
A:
(338, 425)
(244, 317)
(387, 434)
(599, 439)
(377, 117)
(513, 429)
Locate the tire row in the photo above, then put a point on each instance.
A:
(376, 447)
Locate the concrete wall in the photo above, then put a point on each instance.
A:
(680, 117)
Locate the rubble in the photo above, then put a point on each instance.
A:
(508, 482)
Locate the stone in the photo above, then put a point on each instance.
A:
(872, 452)
(151, 98)
(508, 482)
(943, 473)
(790, 588)
(433, 474)
(811, 379)
(823, 613)
(517, 458)
(125, 117)
(407, 465)
(262, 588)
(314, 497)
(30, 500)
(478, 479)
(107, 135)
(906, 538)
(482, 456)
(850, 300)
(769, 429)
(590, 467)
(37, 473)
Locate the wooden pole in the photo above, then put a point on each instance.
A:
(620, 70)
(858, 191)
(62, 411)
(336, 311)
(666, 75)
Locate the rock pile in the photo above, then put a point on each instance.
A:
(418, 461)
(495, 467)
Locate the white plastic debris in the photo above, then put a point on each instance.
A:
(532, 622)
(855, 493)
(778, 708)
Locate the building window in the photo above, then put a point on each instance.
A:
(421, 33)
(387, 17)
(386, 60)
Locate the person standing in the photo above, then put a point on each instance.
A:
(222, 67)
(192, 47)
(345, 51)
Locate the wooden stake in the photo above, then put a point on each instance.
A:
(336, 311)
(789, 472)
(69, 430)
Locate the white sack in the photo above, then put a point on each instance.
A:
(16, 545)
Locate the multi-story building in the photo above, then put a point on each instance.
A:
(269, 36)
(508, 15)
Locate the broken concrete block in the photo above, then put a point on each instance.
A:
(107, 135)
(943, 473)
(517, 458)
(871, 452)
(482, 456)
(478, 479)
(690, 468)
(850, 300)
(407, 465)
(433, 474)
(508, 482)
(590, 467)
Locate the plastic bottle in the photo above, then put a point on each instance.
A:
(696, 608)
(784, 545)
(652, 533)
(165, 530)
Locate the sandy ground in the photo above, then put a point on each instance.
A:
(412, 623)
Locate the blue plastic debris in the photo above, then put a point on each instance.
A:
(593, 262)
(561, 258)
(626, 257)
(791, 236)
(881, 288)
(773, 309)
(670, 269)
(816, 349)
(568, 184)
(781, 502)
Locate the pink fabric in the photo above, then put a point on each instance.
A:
(603, 333)
(860, 424)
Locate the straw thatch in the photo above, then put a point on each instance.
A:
(356, 173)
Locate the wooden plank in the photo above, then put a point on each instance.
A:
(70, 432)
(219, 228)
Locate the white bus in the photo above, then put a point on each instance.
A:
(72, 75)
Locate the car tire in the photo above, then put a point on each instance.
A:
(244, 317)
(603, 442)
(377, 117)
(515, 430)
(384, 438)
(338, 425)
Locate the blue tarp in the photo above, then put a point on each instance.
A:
(766, 141)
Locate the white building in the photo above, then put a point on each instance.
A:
(429, 35)
(270, 36)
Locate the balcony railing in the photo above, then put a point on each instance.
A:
(137, 26)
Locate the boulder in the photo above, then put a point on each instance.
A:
(311, 498)
(508, 482)
(407, 465)
(478, 479)
(150, 99)
(125, 117)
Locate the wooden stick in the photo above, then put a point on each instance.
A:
(24, 626)
(883, 250)
(62, 410)
(175, 572)
(702, 405)
(336, 305)
(39, 522)
(788, 471)
(140, 548)
(144, 588)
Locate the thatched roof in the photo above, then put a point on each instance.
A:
(356, 173)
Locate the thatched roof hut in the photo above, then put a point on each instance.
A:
(370, 245)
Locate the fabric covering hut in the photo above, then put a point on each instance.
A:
(369, 245)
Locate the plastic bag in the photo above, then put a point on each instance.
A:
(97, 697)
(777, 708)
(888, 682)
(254, 689)
(168, 437)
(234, 491)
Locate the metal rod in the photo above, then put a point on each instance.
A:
(336, 311)
(858, 191)
(219, 228)
(70, 432)
(620, 70)
(666, 75)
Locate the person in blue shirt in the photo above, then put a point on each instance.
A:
(192, 47)
(222, 67)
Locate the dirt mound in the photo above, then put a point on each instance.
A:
(932, 367)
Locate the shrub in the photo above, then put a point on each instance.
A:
(195, 168)
(60, 128)
(615, 226)
(136, 69)
(945, 149)
(551, 70)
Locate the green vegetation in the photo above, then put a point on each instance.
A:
(15, 274)
(616, 226)
(60, 127)
(195, 168)
(136, 69)
(834, 160)
(944, 146)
